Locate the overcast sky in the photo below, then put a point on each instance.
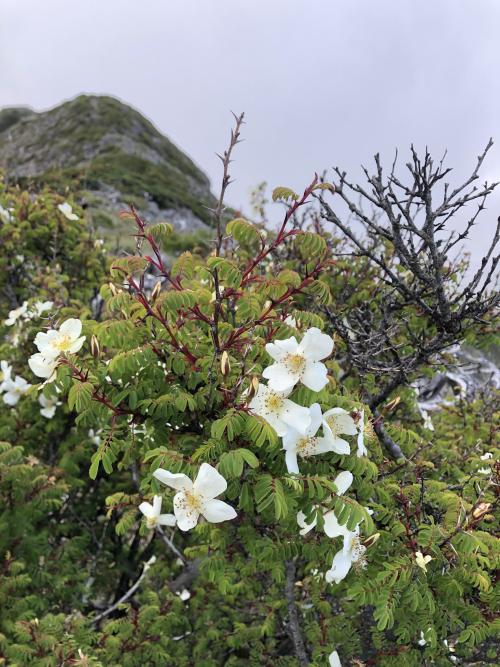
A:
(322, 82)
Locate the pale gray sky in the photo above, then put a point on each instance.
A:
(322, 82)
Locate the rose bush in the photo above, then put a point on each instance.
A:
(178, 510)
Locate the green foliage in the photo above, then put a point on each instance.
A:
(168, 385)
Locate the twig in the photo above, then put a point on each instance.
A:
(391, 447)
(293, 616)
(226, 179)
(128, 594)
(170, 544)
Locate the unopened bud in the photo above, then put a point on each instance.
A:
(94, 347)
(481, 510)
(392, 405)
(156, 291)
(370, 541)
(252, 389)
(224, 364)
(113, 289)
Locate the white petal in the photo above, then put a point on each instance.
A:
(281, 348)
(258, 401)
(332, 527)
(362, 451)
(209, 483)
(334, 659)
(296, 416)
(291, 438)
(277, 423)
(343, 481)
(306, 527)
(71, 328)
(316, 419)
(291, 461)
(347, 424)
(316, 345)
(340, 568)
(41, 366)
(44, 342)
(315, 376)
(77, 345)
(177, 480)
(11, 398)
(331, 444)
(167, 520)
(343, 420)
(147, 509)
(216, 511)
(341, 446)
(186, 516)
(280, 378)
(157, 505)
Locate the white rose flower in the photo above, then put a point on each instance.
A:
(5, 374)
(153, 514)
(14, 389)
(198, 497)
(335, 421)
(422, 560)
(49, 406)
(43, 367)
(299, 362)
(343, 481)
(95, 437)
(307, 444)
(353, 552)
(66, 340)
(41, 307)
(67, 210)
(279, 411)
(5, 215)
(15, 314)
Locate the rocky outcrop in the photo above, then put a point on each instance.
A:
(111, 155)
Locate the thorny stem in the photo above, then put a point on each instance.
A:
(218, 211)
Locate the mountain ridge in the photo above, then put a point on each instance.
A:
(110, 155)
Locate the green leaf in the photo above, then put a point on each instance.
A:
(284, 194)
(80, 396)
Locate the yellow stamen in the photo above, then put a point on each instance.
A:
(295, 362)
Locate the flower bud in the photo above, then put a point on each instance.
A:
(370, 541)
(481, 510)
(94, 347)
(224, 364)
(252, 389)
(392, 405)
(156, 291)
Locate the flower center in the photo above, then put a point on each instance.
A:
(295, 362)
(332, 423)
(274, 403)
(192, 502)
(306, 446)
(358, 553)
(63, 343)
(152, 521)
